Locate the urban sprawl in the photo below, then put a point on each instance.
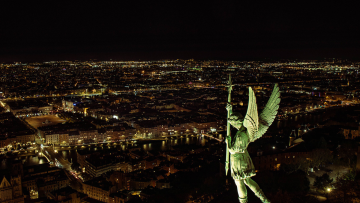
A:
(121, 131)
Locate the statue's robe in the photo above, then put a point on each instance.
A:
(242, 166)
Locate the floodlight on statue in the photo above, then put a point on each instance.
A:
(250, 128)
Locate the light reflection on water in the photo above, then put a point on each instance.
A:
(157, 146)
(33, 160)
(167, 144)
(203, 141)
(291, 123)
(163, 145)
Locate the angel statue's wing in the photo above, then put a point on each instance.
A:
(268, 114)
(251, 120)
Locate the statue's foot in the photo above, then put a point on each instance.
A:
(260, 194)
(243, 200)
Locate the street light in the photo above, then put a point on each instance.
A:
(329, 189)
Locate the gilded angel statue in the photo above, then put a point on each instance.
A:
(250, 128)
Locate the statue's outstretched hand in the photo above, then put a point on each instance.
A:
(229, 107)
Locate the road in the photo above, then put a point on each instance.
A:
(52, 154)
(59, 161)
(75, 181)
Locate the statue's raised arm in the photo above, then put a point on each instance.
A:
(257, 125)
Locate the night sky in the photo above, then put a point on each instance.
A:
(147, 30)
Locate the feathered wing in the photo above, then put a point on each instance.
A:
(268, 114)
(251, 120)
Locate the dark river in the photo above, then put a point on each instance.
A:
(148, 146)
(26, 160)
(293, 122)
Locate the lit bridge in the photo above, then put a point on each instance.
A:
(211, 137)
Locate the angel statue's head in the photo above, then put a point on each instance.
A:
(236, 120)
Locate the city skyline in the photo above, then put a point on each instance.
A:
(118, 131)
